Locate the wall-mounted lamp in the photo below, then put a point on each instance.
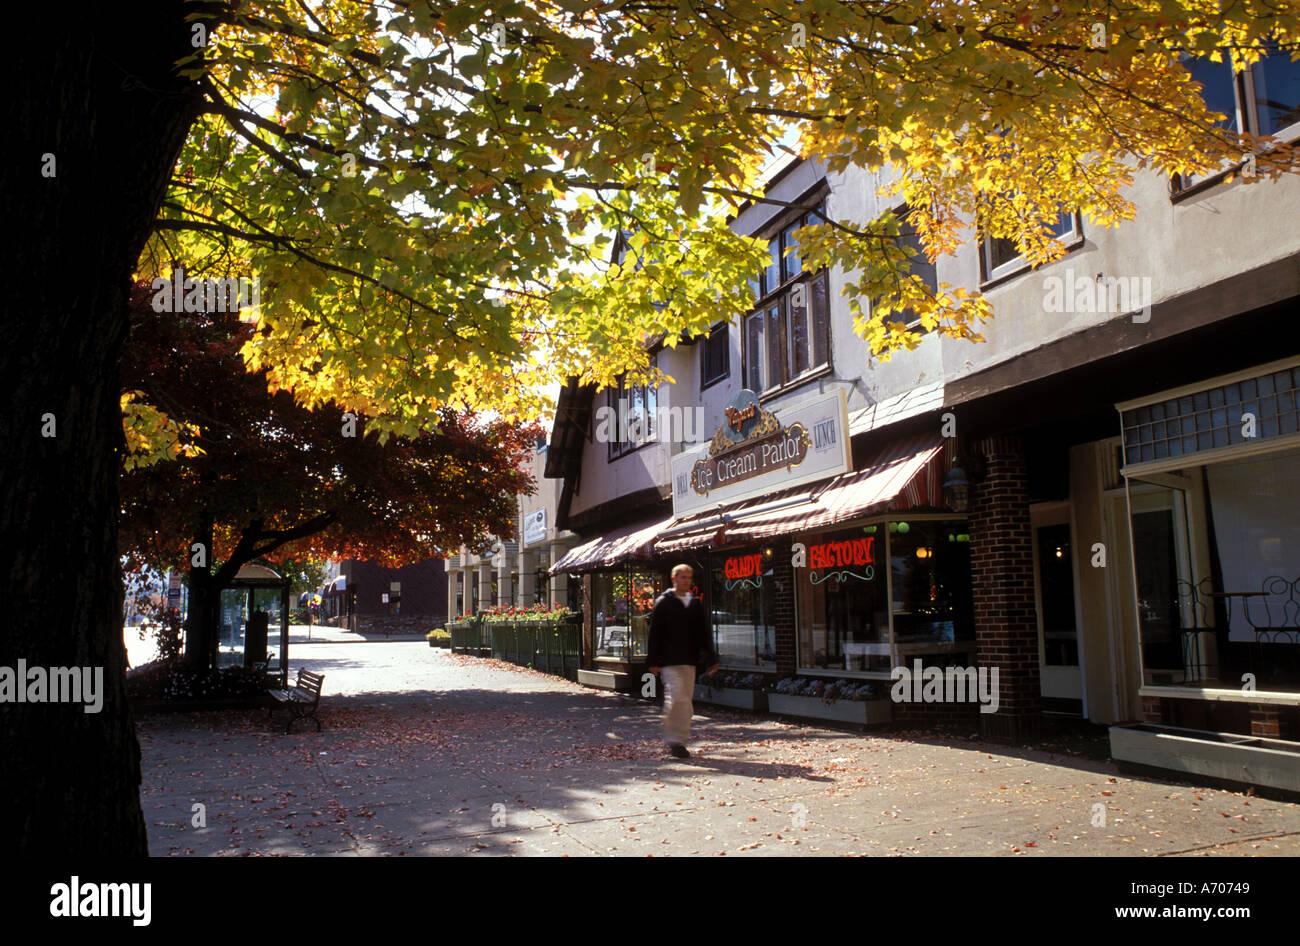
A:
(956, 488)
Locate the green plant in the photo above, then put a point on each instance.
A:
(438, 633)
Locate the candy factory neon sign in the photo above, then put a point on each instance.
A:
(847, 554)
(742, 566)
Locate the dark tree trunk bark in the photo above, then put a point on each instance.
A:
(101, 95)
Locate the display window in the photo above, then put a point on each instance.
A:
(878, 595)
(743, 596)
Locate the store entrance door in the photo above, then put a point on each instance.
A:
(1060, 676)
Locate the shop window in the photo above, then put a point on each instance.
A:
(743, 610)
(1218, 568)
(787, 336)
(847, 620)
(844, 603)
(933, 608)
(623, 600)
(715, 355)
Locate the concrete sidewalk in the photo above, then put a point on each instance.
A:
(426, 752)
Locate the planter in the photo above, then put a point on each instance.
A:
(1221, 758)
(728, 696)
(444, 642)
(251, 701)
(860, 712)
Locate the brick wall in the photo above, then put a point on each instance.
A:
(1274, 721)
(1002, 576)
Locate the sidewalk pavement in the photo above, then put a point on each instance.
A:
(425, 752)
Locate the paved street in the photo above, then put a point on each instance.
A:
(426, 752)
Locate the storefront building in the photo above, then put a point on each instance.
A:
(517, 570)
(1096, 500)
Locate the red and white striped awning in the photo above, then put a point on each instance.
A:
(905, 475)
(621, 545)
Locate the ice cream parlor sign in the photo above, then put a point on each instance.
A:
(756, 451)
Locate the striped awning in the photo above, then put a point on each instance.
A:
(905, 475)
(613, 548)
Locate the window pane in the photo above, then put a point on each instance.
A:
(776, 347)
(1000, 251)
(821, 321)
(772, 277)
(793, 266)
(1218, 88)
(651, 402)
(1277, 93)
(755, 352)
(614, 429)
(798, 327)
(744, 608)
(716, 356)
(920, 266)
(843, 603)
(930, 576)
(1064, 224)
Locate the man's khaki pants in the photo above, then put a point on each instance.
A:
(679, 687)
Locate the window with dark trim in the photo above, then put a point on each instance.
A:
(715, 355)
(1260, 99)
(787, 335)
(633, 414)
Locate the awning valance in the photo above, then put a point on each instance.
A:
(620, 545)
(904, 475)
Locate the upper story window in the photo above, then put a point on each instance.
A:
(633, 412)
(787, 335)
(1261, 99)
(920, 267)
(715, 355)
(1000, 257)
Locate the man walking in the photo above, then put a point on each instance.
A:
(679, 639)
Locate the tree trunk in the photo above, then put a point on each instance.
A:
(100, 95)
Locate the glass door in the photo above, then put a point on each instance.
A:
(1175, 626)
(1060, 679)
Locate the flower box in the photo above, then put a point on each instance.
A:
(731, 696)
(859, 712)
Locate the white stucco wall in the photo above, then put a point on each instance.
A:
(1180, 247)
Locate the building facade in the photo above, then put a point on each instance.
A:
(517, 571)
(1097, 500)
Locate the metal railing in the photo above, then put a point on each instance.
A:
(550, 646)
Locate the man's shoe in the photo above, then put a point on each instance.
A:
(679, 751)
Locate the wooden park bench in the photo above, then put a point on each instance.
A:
(301, 700)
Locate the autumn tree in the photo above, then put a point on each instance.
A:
(259, 476)
(425, 192)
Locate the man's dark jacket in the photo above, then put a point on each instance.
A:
(679, 634)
